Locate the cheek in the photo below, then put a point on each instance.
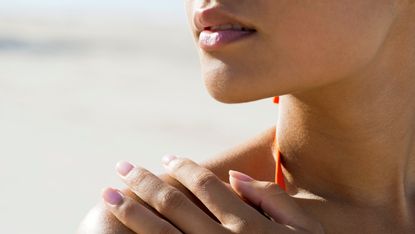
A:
(317, 44)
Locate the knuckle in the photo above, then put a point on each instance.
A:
(180, 164)
(270, 187)
(170, 200)
(272, 191)
(204, 180)
(139, 176)
(127, 212)
(246, 225)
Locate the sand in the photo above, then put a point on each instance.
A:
(79, 93)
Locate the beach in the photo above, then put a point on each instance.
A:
(79, 92)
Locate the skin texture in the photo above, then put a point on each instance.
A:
(300, 45)
(346, 72)
(233, 214)
(253, 157)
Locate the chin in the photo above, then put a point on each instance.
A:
(234, 83)
(224, 97)
(230, 90)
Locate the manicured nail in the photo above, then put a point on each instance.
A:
(112, 196)
(240, 176)
(124, 168)
(167, 159)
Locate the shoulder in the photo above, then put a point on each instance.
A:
(101, 221)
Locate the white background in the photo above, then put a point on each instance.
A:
(84, 84)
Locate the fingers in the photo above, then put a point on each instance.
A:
(271, 199)
(134, 215)
(167, 200)
(209, 189)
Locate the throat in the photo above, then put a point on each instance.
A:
(344, 164)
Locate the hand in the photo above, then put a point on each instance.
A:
(181, 215)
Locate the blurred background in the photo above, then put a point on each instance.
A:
(86, 83)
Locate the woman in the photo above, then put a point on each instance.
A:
(345, 70)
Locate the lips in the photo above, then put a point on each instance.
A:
(210, 41)
(206, 18)
(216, 27)
(223, 27)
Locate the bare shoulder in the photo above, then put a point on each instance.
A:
(100, 220)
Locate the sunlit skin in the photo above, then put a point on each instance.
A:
(345, 71)
(300, 45)
(347, 115)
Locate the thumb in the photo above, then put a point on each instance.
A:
(271, 199)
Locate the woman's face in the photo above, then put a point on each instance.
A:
(297, 44)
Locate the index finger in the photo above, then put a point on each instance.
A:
(209, 189)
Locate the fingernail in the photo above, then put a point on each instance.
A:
(123, 168)
(112, 196)
(167, 159)
(240, 176)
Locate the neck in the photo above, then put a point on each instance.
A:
(354, 140)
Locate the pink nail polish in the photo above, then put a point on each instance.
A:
(240, 176)
(113, 196)
(167, 159)
(123, 168)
